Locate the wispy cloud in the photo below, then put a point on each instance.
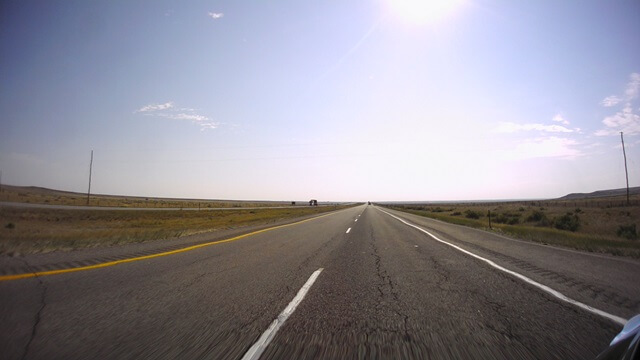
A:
(559, 118)
(215, 15)
(183, 116)
(610, 101)
(155, 107)
(200, 120)
(626, 119)
(208, 125)
(167, 110)
(555, 147)
(509, 127)
(630, 92)
(633, 87)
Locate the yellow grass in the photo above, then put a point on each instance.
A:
(35, 195)
(599, 221)
(43, 230)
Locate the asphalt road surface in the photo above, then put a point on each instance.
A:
(386, 290)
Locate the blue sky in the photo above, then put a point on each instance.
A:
(334, 100)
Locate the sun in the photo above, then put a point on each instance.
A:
(423, 11)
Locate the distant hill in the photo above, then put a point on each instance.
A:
(602, 193)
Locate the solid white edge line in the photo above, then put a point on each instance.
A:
(349, 229)
(258, 348)
(530, 281)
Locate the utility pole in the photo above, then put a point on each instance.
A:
(626, 173)
(90, 168)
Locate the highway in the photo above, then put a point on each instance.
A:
(365, 282)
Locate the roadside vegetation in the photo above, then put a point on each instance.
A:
(36, 195)
(43, 230)
(596, 225)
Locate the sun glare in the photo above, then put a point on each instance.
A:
(423, 11)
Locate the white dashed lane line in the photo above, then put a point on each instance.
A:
(256, 350)
(349, 229)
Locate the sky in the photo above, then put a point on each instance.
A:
(334, 100)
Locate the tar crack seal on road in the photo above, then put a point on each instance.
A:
(43, 303)
(386, 282)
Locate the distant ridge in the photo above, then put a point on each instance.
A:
(47, 191)
(602, 193)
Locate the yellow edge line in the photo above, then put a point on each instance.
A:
(166, 253)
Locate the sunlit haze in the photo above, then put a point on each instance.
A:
(338, 101)
(422, 12)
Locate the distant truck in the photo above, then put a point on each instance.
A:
(313, 202)
(369, 202)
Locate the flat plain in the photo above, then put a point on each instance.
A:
(605, 224)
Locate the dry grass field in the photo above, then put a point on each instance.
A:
(605, 225)
(43, 230)
(36, 195)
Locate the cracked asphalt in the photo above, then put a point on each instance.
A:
(386, 291)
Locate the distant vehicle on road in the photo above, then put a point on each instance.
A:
(313, 202)
(368, 202)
